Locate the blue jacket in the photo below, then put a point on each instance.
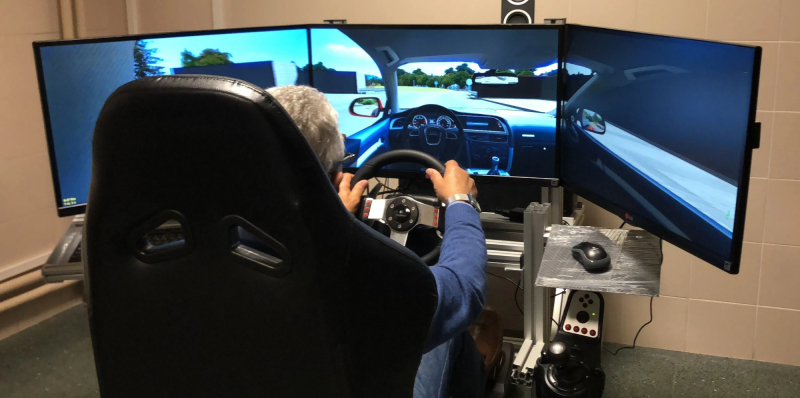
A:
(460, 275)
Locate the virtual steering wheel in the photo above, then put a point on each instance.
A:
(403, 212)
(435, 140)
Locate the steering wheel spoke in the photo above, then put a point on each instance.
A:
(428, 215)
(399, 237)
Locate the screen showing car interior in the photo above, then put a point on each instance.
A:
(78, 78)
(483, 97)
(656, 127)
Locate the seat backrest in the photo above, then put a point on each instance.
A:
(331, 309)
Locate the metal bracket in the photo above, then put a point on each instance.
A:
(555, 21)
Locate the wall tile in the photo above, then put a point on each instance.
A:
(625, 314)
(759, 166)
(19, 77)
(551, 9)
(168, 16)
(787, 97)
(744, 20)
(101, 17)
(776, 336)
(784, 159)
(790, 20)
(779, 275)
(756, 205)
(677, 17)
(618, 14)
(721, 329)
(711, 283)
(769, 74)
(26, 237)
(27, 184)
(21, 128)
(675, 271)
(29, 17)
(782, 213)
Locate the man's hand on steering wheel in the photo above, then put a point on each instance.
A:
(455, 181)
(351, 197)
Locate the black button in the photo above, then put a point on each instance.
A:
(585, 305)
(586, 296)
(583, 317)
(580, 299)
(591, 301)
(401, 213)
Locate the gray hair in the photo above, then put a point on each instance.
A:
(317, 120)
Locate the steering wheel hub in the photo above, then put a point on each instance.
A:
(402, 214)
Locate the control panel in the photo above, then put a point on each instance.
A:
(583, 315)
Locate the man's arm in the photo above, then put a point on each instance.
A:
(460, 275)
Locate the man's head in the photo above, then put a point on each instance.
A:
(316, 119)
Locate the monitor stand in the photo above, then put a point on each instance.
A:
(65, 261)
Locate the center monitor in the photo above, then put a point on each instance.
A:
(483, 96)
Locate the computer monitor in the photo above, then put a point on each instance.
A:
(660, 131)
(485, 96)
(76, 77)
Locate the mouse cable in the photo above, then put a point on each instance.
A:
(614, 353)
(503, 277)
(516, 290)
(622, 225)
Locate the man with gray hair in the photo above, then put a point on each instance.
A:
(452, 365)
(319, 123)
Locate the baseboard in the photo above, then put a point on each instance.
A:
(31, 307)
(23, 267)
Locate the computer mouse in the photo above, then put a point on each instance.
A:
(592, 256)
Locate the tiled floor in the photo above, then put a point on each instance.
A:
(54, 359)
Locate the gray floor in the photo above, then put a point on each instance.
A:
(54, 359)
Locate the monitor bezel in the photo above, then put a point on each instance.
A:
(731, 263)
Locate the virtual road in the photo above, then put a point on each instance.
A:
(412, 97)
(701, 190)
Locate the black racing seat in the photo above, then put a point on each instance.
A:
(329, 309)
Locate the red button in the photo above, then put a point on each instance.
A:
(592, 333)
(435, 217)
(568, 327)
(366, 215)
(584, 330)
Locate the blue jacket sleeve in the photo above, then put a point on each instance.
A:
(460, 275)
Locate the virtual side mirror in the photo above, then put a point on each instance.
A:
(366, 107)
(591, 121)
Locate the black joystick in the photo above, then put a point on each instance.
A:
(495, 164)
(570, 365)
(558, 354)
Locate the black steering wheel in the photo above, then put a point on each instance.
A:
(403, 212)
(433, 139)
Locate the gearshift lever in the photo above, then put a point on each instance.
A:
(558, 354)
(495, 164)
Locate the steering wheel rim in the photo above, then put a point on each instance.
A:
(459, 142)
(372, 166)
(420, 213)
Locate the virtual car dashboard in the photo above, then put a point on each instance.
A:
(484, 145)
